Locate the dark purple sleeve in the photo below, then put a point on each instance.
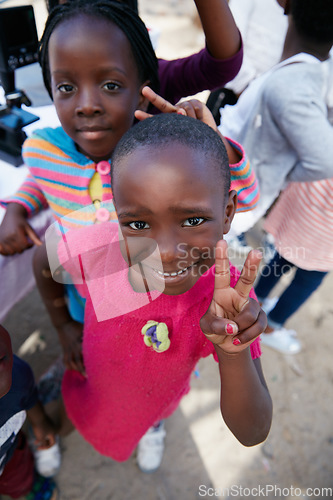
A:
(189, 75)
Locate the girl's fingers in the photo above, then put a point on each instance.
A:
(254, 330)
(188, 108)
(249, 273)
(198, 110)
(222, 267)
(33, 236)
(159, 102)
(141, 115)
(249, 315)
(194, 109)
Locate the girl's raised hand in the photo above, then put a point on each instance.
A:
(233, 320)
(193, 108)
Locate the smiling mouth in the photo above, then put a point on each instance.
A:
(175, 273)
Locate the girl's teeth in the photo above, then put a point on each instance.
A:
(172, 274)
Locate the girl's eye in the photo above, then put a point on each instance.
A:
(65, 88)
(193, 221)
(139, 224)
(111, 86)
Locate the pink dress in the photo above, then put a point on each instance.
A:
(129, 386)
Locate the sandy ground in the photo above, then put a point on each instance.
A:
(200, 451)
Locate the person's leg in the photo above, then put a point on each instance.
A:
(303, 285)
(276, 336)
(270, 275)
(151, 448)
(18, 475)
(65, 426)
(20, 478)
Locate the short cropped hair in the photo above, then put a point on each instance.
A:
(166, 129)
(313, 19)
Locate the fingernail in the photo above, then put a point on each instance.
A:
(236, 341)
(230, 329)
(181, 111)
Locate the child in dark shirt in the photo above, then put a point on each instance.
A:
(18, 400)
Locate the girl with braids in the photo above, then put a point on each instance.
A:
(210, 68)
(95, 82)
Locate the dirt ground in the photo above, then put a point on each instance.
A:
(202, 458)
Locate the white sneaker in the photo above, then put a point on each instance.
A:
(268, 304)
(282, 340)
(47, 461)
(151, 448)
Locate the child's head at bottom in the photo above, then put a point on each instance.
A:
(6, 362)
(171, 182)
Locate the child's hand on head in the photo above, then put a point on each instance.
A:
(233, 320)
(193, 108)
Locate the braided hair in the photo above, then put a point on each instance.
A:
(131, 3)
(118, 13)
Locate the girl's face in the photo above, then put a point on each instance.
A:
(6, 362)
(95, 84)
(172, 197)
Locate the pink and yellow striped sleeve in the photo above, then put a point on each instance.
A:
(244, 180)
(29, 195)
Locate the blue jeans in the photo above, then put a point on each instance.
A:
(303, 285)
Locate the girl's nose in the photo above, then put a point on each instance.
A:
(168, 248)
(89, 103)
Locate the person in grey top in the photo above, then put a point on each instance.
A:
(281, 119)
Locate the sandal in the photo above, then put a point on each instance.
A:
(44, 488)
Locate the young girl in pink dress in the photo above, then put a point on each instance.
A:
(163, 294)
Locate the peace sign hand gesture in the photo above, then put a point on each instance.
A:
(233, 320)
(192, 107)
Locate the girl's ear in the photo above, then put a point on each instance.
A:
(230, 210)
(285, 4)
(287, 7)
(143, 101)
